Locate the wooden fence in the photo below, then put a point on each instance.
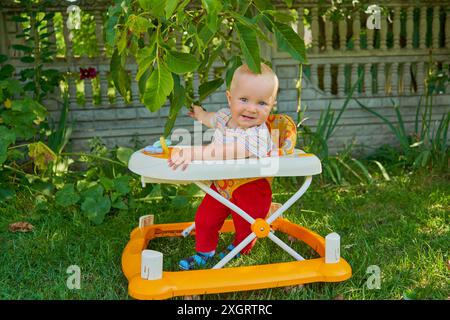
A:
(393, 60)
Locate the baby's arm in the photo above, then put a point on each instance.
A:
(199, 114)
(182, 157)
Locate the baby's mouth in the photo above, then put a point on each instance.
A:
(247, 117)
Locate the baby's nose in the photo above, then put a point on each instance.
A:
(252, 107)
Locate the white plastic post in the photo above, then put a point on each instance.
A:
(188, 230)
(332, 248)
(151, 265)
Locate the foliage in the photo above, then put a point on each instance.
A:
(427, 146)
(419, 149)
(37, 49)
(343, 167)
(170, 40)
(19, 114)
(22, 116)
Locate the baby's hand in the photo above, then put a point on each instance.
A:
(196, 112)
(180, 158)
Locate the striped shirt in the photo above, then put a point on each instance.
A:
(255, 140)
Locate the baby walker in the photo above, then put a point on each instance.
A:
(143, 268)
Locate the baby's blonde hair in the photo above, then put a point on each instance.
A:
(266, 71)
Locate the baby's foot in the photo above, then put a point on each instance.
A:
(197, 260)
(227, 251)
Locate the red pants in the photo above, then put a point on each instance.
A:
(254, 198)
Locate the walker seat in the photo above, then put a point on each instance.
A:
(283, 162)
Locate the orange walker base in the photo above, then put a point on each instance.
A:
(209, 281)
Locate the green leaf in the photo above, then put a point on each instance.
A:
(214, 55)
(235, 63)
(6, 71)
(44, 187)
(213, 7)
(251, 24)
(96, 208)
(114, 196)
(205, 34)
(48, 16)
(119, 204)
(40, 203)
(364, 170)
(67, 196)
(94, 191)
(158, 87)
(209, 87)
(84, 185)
(142, 82)
(122, 43)
(3, 151)
(6, 194)
(282, 17)
(7, 137)
(180, 62)
(145, 57)
(27, 59)
(383, 170)
(3, 58)
(41, 154)
(154, 6)
(182, 6)
(289, 41)
(177, 99)
(21, 47)
(145, 4)
(171, 5)
(110, 30)
(122, 184)
(249, 47)
(138, 24)
(107, 183)
(124, 154)
(19, 19)
(12, 85)
(242, 6)
(263, 4)
(120, 76)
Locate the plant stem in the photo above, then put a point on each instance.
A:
(80, 154)
(37, 72)
(19, 146)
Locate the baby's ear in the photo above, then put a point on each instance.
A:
(228, 93)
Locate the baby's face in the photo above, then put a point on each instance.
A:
(251, 100)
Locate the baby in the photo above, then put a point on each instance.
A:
(240, 132)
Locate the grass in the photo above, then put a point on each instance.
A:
(401, 226)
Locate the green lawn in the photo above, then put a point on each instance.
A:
(401, 226)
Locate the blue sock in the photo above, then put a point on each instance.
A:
(208, 254)
(227, 251)
(198, 259)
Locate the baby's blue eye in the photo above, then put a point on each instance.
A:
(243, 99)
(262, 103)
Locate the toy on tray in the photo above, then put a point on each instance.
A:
(160, 146)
